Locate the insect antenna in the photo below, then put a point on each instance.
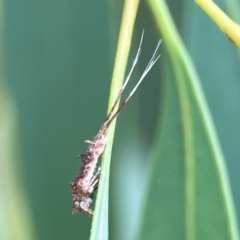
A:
(152, 61)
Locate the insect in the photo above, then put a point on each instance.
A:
(86, 182)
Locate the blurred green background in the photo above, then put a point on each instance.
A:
(57, 62)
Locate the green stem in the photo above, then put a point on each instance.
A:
(181, 63)
(162, 15)
(229, 27)
(100, 219)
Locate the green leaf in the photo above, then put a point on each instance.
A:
(195, 202)
(100, 219)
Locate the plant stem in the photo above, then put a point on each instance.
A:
(229, 27)
(100, 219)
(183, 65)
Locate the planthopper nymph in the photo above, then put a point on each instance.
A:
(86, 181)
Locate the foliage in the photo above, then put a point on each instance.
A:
(169, 176)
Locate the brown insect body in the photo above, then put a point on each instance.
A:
(84, 184)
(87, 179)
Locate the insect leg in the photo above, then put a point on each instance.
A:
(89, 142)
(86, 206)
(94, 181)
